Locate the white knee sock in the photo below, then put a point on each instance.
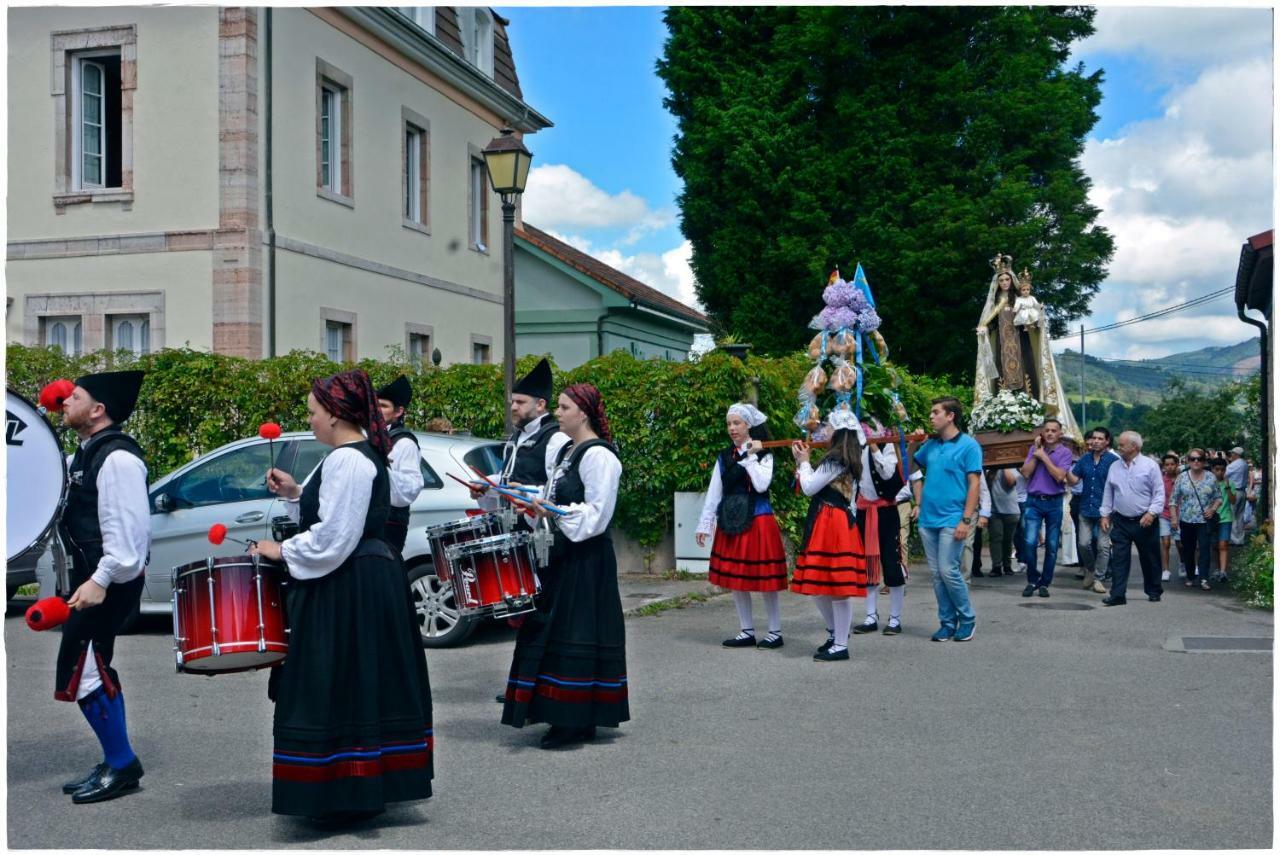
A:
(842, 615)
(742, 600)
(895, 603)
(873, 597)
(774, 608)
(824, 608)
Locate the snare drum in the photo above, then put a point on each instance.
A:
(442, 536)
(494, 576)
(228, 615)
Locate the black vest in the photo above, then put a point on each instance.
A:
(78, 527)
(398, 432)
(531, 458)
(379, 501)
(569, 488)
(886, 489)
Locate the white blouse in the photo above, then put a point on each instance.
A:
(601, 472)
(345, 491)
(886, 462)
(124, 516)
(404, 470)
(759, 471)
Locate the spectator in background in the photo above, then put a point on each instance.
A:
(972, 557)
(1194, 508)
(1090, 474)
(1238, 476)
(1226, 517)
(1169, 471)
(1003, 527)
(1077, 496)
(1045, 469)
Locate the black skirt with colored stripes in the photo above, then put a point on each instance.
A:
(569, 668)
(353, 702)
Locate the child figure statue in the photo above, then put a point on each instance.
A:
(1027, 311)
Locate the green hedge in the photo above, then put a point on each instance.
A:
(1253, 574)
(667, 417)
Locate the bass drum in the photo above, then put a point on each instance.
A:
(37, 478)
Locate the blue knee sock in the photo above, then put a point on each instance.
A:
(106, 717)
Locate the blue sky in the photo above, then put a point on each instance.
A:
(1180, 158)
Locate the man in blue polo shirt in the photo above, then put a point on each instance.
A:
(1090, 472)
(946, 505)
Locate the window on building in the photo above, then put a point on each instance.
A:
(63, 333)
(331, 138)
(334, 123)
(478, 226)
(416, 167)
(477, 37)
(96, 120)
(337, 341)
(419, 348)
(480, 353)
(423, 16)
(131, 333)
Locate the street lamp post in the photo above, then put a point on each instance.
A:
(507, 162)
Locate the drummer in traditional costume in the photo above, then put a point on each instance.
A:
(536, 439)
(404, 464)
(878, 490)
(831, 565)
(353, 704)
(746, 553)
(569, 669)
(106, 531)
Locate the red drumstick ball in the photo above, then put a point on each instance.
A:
(53, 395)
(217, 534)
(269, 430)
(48, 613)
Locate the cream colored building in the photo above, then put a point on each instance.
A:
(252, 181)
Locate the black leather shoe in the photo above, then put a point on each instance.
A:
(739, 641)
(770, 642)
(1044, 592)
(1113, 601)
(893, 629)
(1154, 599)
(864, 628)
(996, 571)
(826, 645)
(502, 699)
(109, 784)
(558, 737)
(1029, 590)
(71, 786)
(828, 656)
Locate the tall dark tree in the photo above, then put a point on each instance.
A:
(918, 141)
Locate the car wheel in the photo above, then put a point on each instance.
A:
(439, 622)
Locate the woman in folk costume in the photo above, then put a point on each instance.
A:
(877, 504)
(747, 553)
(353, 704)
(569, 668)
(831, 566)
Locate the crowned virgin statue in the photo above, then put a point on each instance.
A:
(1013, 346)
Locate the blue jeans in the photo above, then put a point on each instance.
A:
(943, 551)
(1018, 550)
(1049, 511)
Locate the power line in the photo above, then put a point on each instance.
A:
(1178, 307)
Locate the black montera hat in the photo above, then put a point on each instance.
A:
(115, 390)
(398, 391)
(537, 383)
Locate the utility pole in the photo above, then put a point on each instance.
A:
(1083, 410)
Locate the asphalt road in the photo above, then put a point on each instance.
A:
(1063, 725)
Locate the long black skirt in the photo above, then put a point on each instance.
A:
(570, 663)
(353, 702)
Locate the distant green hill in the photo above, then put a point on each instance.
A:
(1146, 381)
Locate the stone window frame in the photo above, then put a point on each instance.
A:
(341, 316)
(95, 308)
(487, 341)
(427, 330)
(329, 75)
(409, 118)
(63, 45)
(476, 155)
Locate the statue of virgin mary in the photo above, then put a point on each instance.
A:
(1016, 356)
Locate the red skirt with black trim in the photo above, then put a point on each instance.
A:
(833, 563)
(751, 561)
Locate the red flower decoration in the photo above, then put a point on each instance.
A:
(217, 534)
(52, 396)
(269, 430)
(48, 613)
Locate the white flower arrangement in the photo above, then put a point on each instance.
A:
(1006, 412)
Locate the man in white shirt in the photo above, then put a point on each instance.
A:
(531, 450)
(1131, 503)
(106, 531)
(404, 463)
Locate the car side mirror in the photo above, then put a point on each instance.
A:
(163, 503)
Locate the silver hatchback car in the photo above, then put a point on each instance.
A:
(227, 486)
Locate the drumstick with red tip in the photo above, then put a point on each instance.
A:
(218, 533)
(270, 431)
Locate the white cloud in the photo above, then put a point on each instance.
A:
(669, 272)
(1179, 35)
(559, 197)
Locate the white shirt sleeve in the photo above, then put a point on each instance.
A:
(984, 497)
(404, 470)
(760, 471)
(715, 491)
(886, 460)
(812, 481)
(344, 503)
(601, 472)
(124, 515)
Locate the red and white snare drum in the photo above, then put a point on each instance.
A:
(494, 576)
(442, 536)
(228, 615)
